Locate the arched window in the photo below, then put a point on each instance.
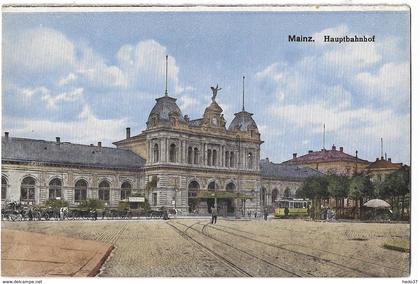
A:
(103, 192)
(54, 189)
(250, 159)
(212, 186)
(232, 159)
(190, 155)
(209, 157)
(172, 153)
(214, 163)
(3, 188)
(193, 187)
(125, 190)
(230, 187)
(274, 195)
(80, 190)
(196, 156)
(227, 159)
(156, 153)
(27, 190)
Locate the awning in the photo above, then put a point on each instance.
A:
(221, 194)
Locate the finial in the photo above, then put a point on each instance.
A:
(166, 80)
(243, 93)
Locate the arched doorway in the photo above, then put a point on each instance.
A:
(227, 205)
(263, 197)
(274, 195)
(193, 201)
(212, 186)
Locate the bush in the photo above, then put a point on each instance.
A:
(92, 204)
(56, 203)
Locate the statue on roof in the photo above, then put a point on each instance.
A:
(215, 90)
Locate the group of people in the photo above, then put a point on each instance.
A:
(327, 214)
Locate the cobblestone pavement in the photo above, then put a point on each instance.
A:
(273, 248)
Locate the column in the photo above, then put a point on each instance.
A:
(205, 154)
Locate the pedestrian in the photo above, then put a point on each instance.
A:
(95, 214)
(61, 213)
(255, 214)
(249, 214)
(286, 212)
(213, 215)
(265, 213)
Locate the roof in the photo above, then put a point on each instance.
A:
(383, 164)
(164, 106)
(31, 150)
(195, 122)
(269, 169)
(325, 156)
(242, 121)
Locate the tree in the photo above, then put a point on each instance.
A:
(360, 189)
(315, 188)
(92, 204)
(338, 187)
(395, 187)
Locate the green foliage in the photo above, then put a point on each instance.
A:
(123, 205)
(92, 204)
(287, 192)
(315, 187)
(395, 184)
(338, 186)
(56, 203)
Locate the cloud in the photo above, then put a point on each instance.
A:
(360, 91)
(187, 102)
(53, 101)
(31, 92)
(67, 79)
(86, 129)
(387, 83)
(38, 50)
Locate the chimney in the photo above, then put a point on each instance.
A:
(127, 132)
(99, 144)
(310, 151)
(294, 155)
(377, 159)
(389, 159)
(6, 135)
(333, 147)
(341, 149)
(57, 139)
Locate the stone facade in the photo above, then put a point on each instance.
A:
(196, 164)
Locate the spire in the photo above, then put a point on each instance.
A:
(166, 78)
(382, 149)
(323, 138)
(243, 93)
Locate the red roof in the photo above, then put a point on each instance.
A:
(325, 156)
(384, 164)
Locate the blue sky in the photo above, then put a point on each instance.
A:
(87, 76)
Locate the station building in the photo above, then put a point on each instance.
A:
(193, 164)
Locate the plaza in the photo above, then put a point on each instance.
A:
(238, 248)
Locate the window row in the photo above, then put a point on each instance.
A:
(193, 156)
(27, 190)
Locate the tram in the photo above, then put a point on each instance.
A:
(296, 207)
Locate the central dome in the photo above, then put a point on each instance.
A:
(164, 107)
(243, 121)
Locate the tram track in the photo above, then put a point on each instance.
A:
(346, 259)
(218, 256)
(256, 266)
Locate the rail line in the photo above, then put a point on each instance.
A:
(325, 261)
(226, 261)
(282, 268)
